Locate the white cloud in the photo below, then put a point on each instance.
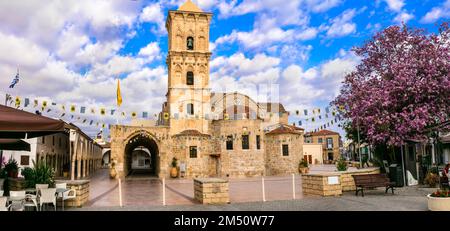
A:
(16, 51)
(238, 65)
(403, 17)
(322, 5)
(257, 38)
(342, 25)
(307, 34)
(153, 14)
(150, 52)
(395, 5)
(436, 13)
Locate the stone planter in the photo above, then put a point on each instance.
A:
(438, 203)
(303, 170)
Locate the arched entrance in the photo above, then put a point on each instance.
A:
(141, 156)
(106, 159)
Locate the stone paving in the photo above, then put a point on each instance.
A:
(245, 194)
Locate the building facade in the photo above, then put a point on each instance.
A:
(330, 142)
(72, 151)
(222, 134)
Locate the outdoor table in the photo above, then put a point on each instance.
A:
(30, 190)
(61, 191)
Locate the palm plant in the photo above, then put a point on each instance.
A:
(41, 173)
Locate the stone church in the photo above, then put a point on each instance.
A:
(211, 134)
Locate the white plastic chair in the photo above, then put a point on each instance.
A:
(1, 193)
(47, 196)
(30, 201)
(19, 198)
(70, 194)
(3, 206)
(40, 186)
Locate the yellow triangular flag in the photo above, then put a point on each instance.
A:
(119, 96)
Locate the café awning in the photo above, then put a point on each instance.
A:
(18, 124)
(14, 145)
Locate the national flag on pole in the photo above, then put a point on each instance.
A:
(119, 95)
(15, 80)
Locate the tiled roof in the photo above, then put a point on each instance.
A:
(322, 133)
(285, 129)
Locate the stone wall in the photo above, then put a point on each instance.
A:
(82, 190)
(211, 191)
(317, 184)
(195, 167)
(239, 162)
(276, 163)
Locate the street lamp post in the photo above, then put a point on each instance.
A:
(359, 145)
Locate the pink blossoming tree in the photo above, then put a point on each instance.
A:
(401, 86)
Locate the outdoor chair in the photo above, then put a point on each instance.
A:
(19, 200)
(30, 201)
(70, 194)
(47, 196)
(1, 193)
(3, 206)
(40, 186)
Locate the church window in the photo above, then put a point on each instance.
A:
(258, 142)
(190, 109)
(245, 142)
(190, 78)
(193, 151)
(190, 43)
(229, 142)
(285, 150)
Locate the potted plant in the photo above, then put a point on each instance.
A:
(341, 165)
(12, 168)
(174, 170)
(439, 201)
(43, 174)
(303, 167)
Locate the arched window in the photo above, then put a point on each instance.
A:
(190, 78)
(190, 43)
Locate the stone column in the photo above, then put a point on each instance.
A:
(79, 160)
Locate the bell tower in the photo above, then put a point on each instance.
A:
(188, 93)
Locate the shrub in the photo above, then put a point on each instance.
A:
(41, 173)
(174, 162)
(28, 174)
(341, 165)
(303, 164)
(12, 166)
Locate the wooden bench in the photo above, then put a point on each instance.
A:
(367, 181)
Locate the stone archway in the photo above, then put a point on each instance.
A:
(137, 147)
(106, 158)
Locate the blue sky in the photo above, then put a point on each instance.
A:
(71, 52)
